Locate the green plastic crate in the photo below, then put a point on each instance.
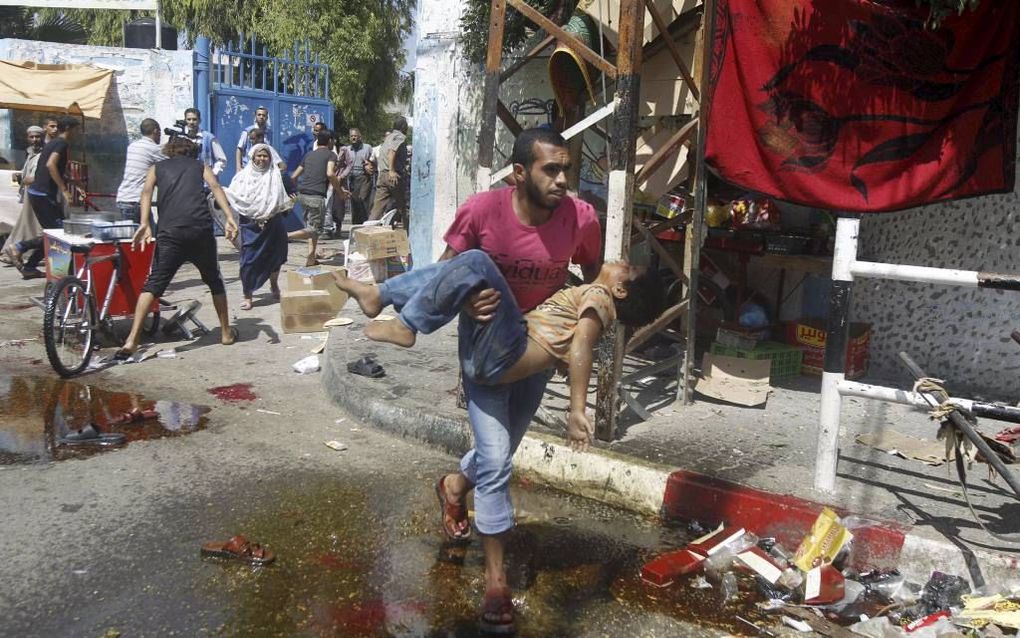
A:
(785, 359)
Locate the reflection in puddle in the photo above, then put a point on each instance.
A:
(36, 412)
(354, 561)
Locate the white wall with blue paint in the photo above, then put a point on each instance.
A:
(146, 83)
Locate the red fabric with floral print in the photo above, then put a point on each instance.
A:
(853, 105)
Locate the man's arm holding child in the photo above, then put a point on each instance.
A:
(582, 352)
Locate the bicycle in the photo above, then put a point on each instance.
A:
(70, 316)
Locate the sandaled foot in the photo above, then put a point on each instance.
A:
(453, 517)
(394, 332)
(229, 338)
(367, 295)
(239, 548)
(497, 615)
(246, 304)
(311, 261)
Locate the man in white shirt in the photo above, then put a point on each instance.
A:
(244, 142)
(141, 155)
(256, 136)
(209, 149)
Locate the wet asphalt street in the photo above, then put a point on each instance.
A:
(93, 545)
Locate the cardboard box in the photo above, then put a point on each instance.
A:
(380, 242)
(318, 278)
(305, 310)
(809, 335)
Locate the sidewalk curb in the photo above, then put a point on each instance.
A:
(653, 489)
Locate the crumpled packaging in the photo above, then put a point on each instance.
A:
(825, 540)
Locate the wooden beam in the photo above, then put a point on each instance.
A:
(493, 61)
(645, 333)
(528, 57)
(507, 118)
(674, 50)
(692, 238)
(619, 201)
(656, 161)
(565, 38)
(660, 251)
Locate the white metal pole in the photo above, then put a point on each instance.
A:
(838, 326)
(159, 26)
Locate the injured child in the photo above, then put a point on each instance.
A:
(561, 332)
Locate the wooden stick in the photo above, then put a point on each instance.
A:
(563, 37)
(674, 51)
(528, 57)
(655, 162)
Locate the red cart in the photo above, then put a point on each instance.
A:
(89, 283)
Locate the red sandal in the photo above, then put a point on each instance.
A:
(239, 548)
(451, 515)
(497, 615)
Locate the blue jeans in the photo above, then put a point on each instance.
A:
(130, 211)
(429, 297)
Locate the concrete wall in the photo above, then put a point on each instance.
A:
(957, 334)
(447, 105)
(146, 83)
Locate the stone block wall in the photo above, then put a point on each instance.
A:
(146, 83)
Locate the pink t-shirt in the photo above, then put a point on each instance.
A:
(533, 259)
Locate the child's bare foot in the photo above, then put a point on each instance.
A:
(367, 295)
(228, 336)
(393, 332)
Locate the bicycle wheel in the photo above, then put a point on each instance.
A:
(68, 322)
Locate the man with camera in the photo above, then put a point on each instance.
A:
(141, 155)
(209, 149)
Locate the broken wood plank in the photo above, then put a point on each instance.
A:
(563, 37)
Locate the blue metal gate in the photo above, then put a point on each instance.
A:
(294, 88)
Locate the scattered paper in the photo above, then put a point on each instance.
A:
(169, 353)
(740, 381)
(308, 365)
(267, 412)
(318, 348)
(339, 321)
(336, 445)
(384, 318)
(928, 452)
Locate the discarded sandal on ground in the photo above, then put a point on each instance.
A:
(239, 548)
(89, 435)
(367, 367)
(497, 613)
(123, 356)
(452, 515)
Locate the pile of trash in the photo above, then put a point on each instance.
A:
(815, 589)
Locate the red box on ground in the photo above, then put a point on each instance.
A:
(809, 335)
(663, 570)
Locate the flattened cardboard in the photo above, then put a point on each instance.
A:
(741, 381)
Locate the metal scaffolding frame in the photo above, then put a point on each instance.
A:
(622, 144)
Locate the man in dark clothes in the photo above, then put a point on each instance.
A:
(317, 171)
(45, 191)
(185, 233)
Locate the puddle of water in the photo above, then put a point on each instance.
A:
(35, 412)
(353, 562)
(233, 393)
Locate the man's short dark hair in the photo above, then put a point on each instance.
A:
(400, 124)
(261, 108)
(66, 123)
(645, 300)
(193, 110)
(324, 137)
(52, 118)
(257, 133)
(524, 146)
(180, 145)
(148, 126)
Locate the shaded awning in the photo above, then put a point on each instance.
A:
(54, 88)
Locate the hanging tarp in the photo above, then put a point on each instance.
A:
(54, 88)
(854, 105)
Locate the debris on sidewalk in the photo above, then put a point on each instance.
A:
(338, 322)
(822, 587)
(308, 365)
(336, 445)
(928, 452)
(741, 381)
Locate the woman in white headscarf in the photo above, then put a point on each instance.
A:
(258, 197)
